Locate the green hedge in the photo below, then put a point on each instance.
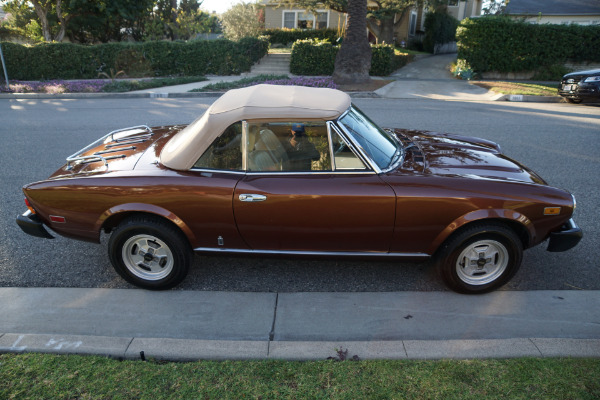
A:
(505, 45)
(286, 36)
(314, 57)
(160, 58)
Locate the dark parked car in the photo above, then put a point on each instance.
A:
(578, 86)
(300, 171)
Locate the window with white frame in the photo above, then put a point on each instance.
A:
(302, 19)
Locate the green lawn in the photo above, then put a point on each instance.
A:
(37, 376)
(533, 89)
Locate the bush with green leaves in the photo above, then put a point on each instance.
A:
(440, 28)
(158, 58)
(317, 57)
(505, 45)
(313, 57)
(286, 36)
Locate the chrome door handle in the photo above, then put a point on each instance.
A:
(252, 197)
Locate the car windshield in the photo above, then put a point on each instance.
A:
(381, 146)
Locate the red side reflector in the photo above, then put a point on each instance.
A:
(28, 204)
(57, 219)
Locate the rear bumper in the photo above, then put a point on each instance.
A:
(31, 225)
(565, 239)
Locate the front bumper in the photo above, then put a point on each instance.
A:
(565, 239)
(31, 225)
(580, 91)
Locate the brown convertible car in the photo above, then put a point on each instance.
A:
(300, 171)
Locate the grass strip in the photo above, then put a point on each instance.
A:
(39, 376)
(224, 86)
(532, 89)
(118, 86)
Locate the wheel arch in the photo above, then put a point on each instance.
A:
(112, 217)
(516, 221)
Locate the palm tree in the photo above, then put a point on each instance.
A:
(353, 61)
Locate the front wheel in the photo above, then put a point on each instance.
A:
(480, 259)
(149, 253)
(573, 101)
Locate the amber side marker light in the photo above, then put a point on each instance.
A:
(28, 204)
(551, 210)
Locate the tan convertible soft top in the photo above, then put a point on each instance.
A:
(251, 103)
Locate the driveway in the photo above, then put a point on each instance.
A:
(430, 77)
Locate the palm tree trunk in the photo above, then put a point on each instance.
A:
(353, 60)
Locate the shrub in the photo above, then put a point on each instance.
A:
(505, 45)
(314, 57)
(159, 58)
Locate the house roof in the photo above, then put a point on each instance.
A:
(258, 102)
(553, 7)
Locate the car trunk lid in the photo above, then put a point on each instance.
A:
(119, 150)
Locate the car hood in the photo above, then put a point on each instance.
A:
(454, 155)
(592, 72)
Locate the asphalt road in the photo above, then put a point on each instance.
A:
(559, 141)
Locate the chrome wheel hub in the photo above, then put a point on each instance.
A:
(147, 257)
(482, 262)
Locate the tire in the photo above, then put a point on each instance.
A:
(495, 253)
(150, 253)
(573, 101)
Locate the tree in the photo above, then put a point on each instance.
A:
(42, 8)
(353, 61)
(242, 20)
(494, 7)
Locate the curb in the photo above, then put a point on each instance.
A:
(126, 95)
(70, 96)
(184, 350)
(530, 98)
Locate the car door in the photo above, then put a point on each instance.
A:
(336, 204)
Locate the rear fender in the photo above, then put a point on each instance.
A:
(129, 208)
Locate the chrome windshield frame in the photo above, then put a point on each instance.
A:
(395, 161)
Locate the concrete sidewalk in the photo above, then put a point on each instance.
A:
(190, 325)
(429, 77)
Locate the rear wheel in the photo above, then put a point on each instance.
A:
(480, 259)
(149, 253)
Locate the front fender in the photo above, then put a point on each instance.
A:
(129, 208)
(482, 215)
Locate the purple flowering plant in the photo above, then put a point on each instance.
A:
(54, 87)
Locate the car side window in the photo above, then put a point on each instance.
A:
(225, 152)
(343, 156)
(288, 146)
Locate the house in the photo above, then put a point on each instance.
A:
(282, 15)
(407, 26)
(581, 12)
